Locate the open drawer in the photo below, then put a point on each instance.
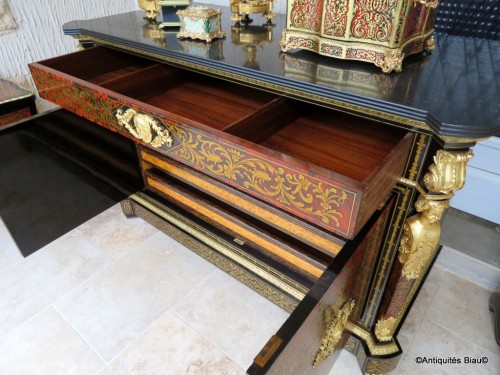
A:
(330, 169)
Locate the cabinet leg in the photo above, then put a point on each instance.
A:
(373, 357)
(420, 241)
(127, 208)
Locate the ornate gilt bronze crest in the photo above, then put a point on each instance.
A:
(144, 127)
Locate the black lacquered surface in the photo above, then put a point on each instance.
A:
(58, 171)
(455, 90)
(475, 18)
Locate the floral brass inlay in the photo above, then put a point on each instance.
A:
(328, 205)
(293, 191)
(373, 20)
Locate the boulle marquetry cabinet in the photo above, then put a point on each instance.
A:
(319, 183)
(16, 102)
(381, 32)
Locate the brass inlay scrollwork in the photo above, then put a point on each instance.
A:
(328, 205)
(144, 127)
(335, 321)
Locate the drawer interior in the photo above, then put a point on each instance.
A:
(98, 65)
(355, 148)
(357, 157)
(315, 136)
(199, 98)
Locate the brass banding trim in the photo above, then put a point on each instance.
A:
(349, 107)
(262, 270)
(225, 195)
(391, 119)
(375, 348)
(271, 247)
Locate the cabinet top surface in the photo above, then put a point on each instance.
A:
(10, 92)
(454, 91)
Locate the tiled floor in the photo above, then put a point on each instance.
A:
(116, 296)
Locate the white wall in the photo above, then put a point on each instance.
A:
(39, 33)
(481, 193)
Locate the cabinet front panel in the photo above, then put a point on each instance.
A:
(303, 343)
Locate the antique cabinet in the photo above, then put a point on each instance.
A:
(16, 102)
(317, 182)
(381, 32)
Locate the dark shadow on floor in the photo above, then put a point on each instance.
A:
(58, 171)
(472, 235)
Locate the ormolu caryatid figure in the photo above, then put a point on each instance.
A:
(421, 236)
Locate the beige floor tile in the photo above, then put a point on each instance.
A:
(346, 364)
(172, 347)
(28, 285)
(3, 257)
(46, 345)
(115, 234)
(434, 342)
(231, 315)
(117, 306)
(462, 307)
(7, 244)
(420, 307)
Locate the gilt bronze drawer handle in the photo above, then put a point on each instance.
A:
(144, 127)
(335, 322)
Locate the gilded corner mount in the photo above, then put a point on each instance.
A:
(448, 171)
(335, 322)
(421, 237)
(385, 328)
(393, 62)
(423, 230)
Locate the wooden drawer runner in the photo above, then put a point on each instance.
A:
(328, 168)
